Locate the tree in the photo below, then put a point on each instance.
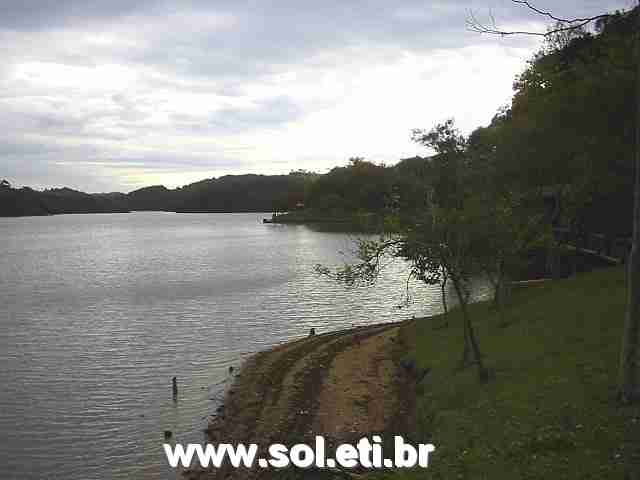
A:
(629, 377)
(438, 244)
(361, 185)
(506, 229)
(629, 388)
(448, 165)
(445, 239)
(435, 250)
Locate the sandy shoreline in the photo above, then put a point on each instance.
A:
(342, 385)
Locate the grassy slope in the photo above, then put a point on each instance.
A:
(550, 411)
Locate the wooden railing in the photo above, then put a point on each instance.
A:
(610, 248)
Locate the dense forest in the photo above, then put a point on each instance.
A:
(566, 143)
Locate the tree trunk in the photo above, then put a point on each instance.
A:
(466, 351)
(443, 289)
(553, 257)
(501, 294)
(470, 338)
(629, 388)
(499, 285)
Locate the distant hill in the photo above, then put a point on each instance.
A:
(242, 193)
(66, 200)
(25, 201)
(21, 202)
(156, 198)
(359, 186)
(231, 193)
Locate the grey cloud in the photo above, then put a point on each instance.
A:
(206, 47)
(270, 113)
(266, 37)
(46, 14)
(12, 148)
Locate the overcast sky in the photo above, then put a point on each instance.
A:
(106, 95)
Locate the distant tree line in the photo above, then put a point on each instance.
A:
(232, 193)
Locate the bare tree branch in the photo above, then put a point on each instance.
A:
(553, 17)
(474, 25)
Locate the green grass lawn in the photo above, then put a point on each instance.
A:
(550, 411)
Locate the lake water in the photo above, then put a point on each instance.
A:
(99, 312)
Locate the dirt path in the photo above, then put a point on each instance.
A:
(358, 394)
(342, 385)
